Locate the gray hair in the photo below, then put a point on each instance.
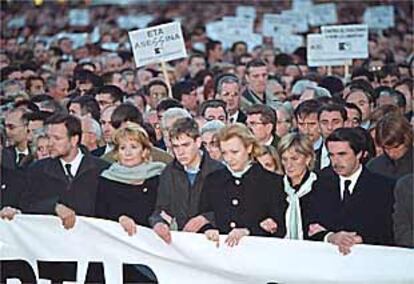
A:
(212, 126)
(286, 107)
(96, 127)
(173, 113)
(7, 83)
(319, 91)
(301, 85)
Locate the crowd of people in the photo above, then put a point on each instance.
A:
(237, 141)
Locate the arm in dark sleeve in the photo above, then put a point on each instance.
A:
(206, 205)
(403, 212)
(163, 202)
(277, 206)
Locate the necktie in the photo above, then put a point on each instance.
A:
(68, 172)
(20, 158)
(347, 193)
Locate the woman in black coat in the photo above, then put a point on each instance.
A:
(127, 190)
(243, 198)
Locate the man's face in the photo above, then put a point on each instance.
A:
(186, 149)
(40, 53)
(256, 78)
(32, 127)
(360, 99)
(104, 100)
(308, 125)
(107, 128)
(189, 101)
(343, 159)
(37, 87)
(329, 121)
(75, 109)
(217, 52)
(16, 130)
(230, 95)
(389, 81)
(353, 118)
(88, 138)
(215, 113)
(395, 152)
(197, 64)
(119, 81)
(60, 145)
(262, 131)
(114, 64)
(156, 94)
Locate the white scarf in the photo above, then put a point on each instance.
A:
(293, 215)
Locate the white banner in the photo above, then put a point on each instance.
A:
(156, 44)
(191, 258)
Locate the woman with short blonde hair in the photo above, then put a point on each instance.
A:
(127, 190)
(244, 198)
(297, 156)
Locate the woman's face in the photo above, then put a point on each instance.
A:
(42, 149)
(294, 164)
(235, 153)
(130, 153)
(267, 162)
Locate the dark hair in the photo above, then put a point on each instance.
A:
(116, 93)
(195, 55)
(333, 108)
(283, 59)
(168, 103)
(126, 112)
(211, 44)
(362, 86)
(388, 70)
(183, 88)
(37, 115)
(333, 84)
(354, 107)
(222, 79)
(355, 138)
(33, 78)
(88, 76)
(211, 104)
(370, 151)
(306, 108)
(255, 63)
(88, 104)
(397, 96)
(185, 125)
(71, 122)
(157, 82)
(362, 72)
(393, 129)
(235, 44)
(268, 115)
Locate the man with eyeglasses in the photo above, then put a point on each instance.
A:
(17, 133)
(261, 120)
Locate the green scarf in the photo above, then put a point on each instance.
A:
(133, 175)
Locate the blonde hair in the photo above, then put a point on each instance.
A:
(270, 150)
(136, 133)
(300, 143)
(244, 134)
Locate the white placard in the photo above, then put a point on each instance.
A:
(238, 26)
(215, 29)
(287, 42)
(302, 5)
(248, 12)
(345, 41)
(191, 258)
(379, 17)
(157, 44)
(274, 24)
(79, 17)
(131, 22)
(323, 14)
(78, 39)
(16, 22)
(298, 20)
(316, 52)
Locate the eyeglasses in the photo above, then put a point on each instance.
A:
(13, 126)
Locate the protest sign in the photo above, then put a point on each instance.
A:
(345, 41)
(298, 20)
(248, 12)
(38, 242)
(323, 14)
(79, 17)
(274, 24)
(302, 5)
(316, 52)
(287, 42)
(132, 21)
(16, 22)
(157, 44)
(379, 17)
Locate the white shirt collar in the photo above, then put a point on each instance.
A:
(269, 142)
(25, 152)
(197, 168)
(108, 148)
(325, 161)
(317, 143)
(75, 163)
(233, 118)
(353, 178)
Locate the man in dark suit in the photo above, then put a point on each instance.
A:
(350, 204)
(67, 182)
(261, 120)
(17, 155)
(227, 89)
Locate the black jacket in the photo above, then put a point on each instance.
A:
(245, 202)
(368, 212)
(47, 185)
(115, 199)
